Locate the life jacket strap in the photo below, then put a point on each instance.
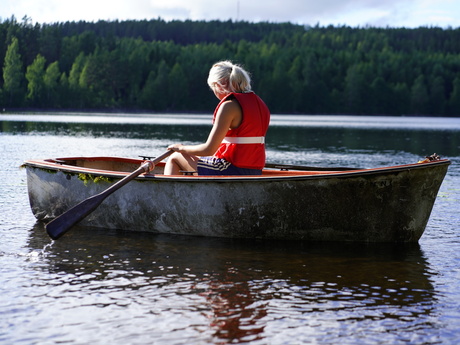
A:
(244, 140)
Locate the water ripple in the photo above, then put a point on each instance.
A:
(97, 286)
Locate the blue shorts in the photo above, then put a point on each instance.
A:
(219, 166)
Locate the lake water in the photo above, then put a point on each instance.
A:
(97, 286)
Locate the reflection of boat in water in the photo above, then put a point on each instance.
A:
(241, 285)
(388, 204)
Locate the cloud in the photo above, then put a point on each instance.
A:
(325, 12)
(49, 11)
(396, 13)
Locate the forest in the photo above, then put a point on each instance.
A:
(162, 66)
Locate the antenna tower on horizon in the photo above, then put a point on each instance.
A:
(238, 11)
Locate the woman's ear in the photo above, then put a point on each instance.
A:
(219, 90)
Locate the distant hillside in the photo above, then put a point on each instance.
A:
(158, 66)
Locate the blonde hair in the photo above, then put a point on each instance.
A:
(225, 77)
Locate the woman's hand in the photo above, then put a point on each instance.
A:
(176, 147)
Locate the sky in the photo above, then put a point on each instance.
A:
(355, 13)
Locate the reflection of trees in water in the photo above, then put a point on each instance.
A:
(418, 142)
(246, 284)
(192, 132)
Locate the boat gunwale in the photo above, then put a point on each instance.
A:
(291, 175)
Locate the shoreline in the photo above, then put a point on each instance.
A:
(128, 113)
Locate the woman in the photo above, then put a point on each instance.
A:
(236, 143)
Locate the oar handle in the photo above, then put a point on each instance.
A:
(149, 165)
(163, 156)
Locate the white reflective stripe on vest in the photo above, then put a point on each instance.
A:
(244, 140)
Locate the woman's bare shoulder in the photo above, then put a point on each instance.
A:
(231, 105)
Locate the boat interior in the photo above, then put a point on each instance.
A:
(114, 164)
(117, 165)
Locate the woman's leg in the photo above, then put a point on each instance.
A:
(180, 161)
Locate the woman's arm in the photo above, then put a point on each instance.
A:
(229, 115)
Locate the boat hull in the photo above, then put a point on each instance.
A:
(374, 205)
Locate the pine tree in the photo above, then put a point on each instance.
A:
(419, 97)
(454, 100)
(51, 79)
(36, 82)
(13, 75)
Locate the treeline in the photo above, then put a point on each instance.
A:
(160, 66)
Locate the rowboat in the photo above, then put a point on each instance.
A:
(383, 204)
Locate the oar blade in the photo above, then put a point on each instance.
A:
(60, 225)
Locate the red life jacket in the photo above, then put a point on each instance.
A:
(244, 146)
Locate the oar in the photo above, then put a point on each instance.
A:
(60, 225)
